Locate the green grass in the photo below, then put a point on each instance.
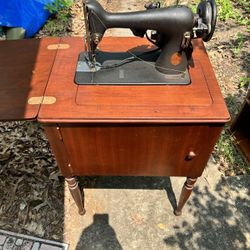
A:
(227, 11)
(244, 4)
(240, 42)
(59, 21)
(226, 147)
(244, 82)
(232, 157)
(58, 5)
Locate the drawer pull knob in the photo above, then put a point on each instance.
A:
(191, 155)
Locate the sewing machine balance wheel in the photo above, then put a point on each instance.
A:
(207, 11)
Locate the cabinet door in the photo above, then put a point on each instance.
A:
(139, 150)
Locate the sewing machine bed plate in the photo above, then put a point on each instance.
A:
(137, 72)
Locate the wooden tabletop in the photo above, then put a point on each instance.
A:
(37, 79)
(201, 101)
(25, 66)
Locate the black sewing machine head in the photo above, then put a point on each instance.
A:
(172, 29)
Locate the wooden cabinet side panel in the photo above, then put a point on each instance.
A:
(139, 150)
(59, 150)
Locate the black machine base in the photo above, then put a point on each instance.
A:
(136, 69)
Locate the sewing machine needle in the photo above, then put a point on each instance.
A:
(91, 58)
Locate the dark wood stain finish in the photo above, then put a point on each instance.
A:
(135, 149)
(25, 66)
(185, 193)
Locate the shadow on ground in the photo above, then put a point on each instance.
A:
(217, 222)
(131, 182)
(99, 235)
(215, 217)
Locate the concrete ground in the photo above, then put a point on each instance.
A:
(137, 213)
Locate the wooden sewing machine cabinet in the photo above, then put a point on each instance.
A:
(108, 130)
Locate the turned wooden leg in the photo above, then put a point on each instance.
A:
(76, 194)
(185, 193)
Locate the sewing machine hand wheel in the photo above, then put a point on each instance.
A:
(207, 11)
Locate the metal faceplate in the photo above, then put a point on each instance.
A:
(135, 72)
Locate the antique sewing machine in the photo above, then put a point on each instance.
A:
(172, 29)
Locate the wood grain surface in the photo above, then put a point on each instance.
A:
(201, 101)
(133, 149)
(25, 67)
